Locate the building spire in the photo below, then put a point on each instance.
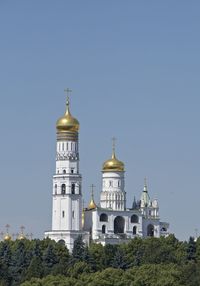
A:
(7, 235)
(92, 204)
(7, 228)
(67, 91)
(145, 185)
(145, 199)
(92, 191)
(113, 147)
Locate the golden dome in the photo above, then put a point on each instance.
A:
(67, 122)
(113, 164)
(92, 204)
(83, 217)
(7, 237)
(21, 236)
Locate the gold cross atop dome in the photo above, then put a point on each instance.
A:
(145, 181)
(113, 145)
(7, 235)
(67, 122)
(68, 92)
(92, 204)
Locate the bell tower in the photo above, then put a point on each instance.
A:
(66, 196)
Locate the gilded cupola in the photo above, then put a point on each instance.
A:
(113, 164)
(92, 205)
(7, 237)
(67, 122)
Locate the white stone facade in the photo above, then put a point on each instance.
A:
(110, 221)
(109, 225)
(113, 195)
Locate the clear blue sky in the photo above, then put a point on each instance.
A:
(134, 69)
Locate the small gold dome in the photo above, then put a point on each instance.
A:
(113, 164)
(67, 122)
(21, 236)
(83, 217)
(92, 205)
(7, 237)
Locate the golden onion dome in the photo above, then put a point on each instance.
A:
(21, 236)
(7, 237)
(83, 217)
(92, 204)
(113, 164)
(67, 122)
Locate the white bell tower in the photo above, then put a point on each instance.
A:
(67, 197)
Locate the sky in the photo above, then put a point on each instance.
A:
(134, 68)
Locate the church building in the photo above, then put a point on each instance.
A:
(110, 221)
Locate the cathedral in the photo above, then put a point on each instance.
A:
(110, 221)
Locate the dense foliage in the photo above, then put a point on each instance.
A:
(141, 262)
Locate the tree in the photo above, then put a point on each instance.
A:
(96, 252)
(35, 268)
(190, 274)
(49, 259)
(153, 275)
(79, 268)
(191, 249)
(119, 259)
(107, 277)
(78, 249)
(20, 261)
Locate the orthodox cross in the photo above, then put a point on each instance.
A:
(7, 227)
(22, 229)
(67, 91)
(113, 144)
(92, 190)
(145, 182)
(196, 232)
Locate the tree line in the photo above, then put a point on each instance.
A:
(141, 262)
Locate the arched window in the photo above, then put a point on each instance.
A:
(163, 229)
(103, 228)
(55, 189)
(63, 189)
(103, 217)
(64, 171)
(134, 218)
(63, 214)
(119, 224)
(150, 230)
(73, 189)
(134, 229)
(61, 241)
